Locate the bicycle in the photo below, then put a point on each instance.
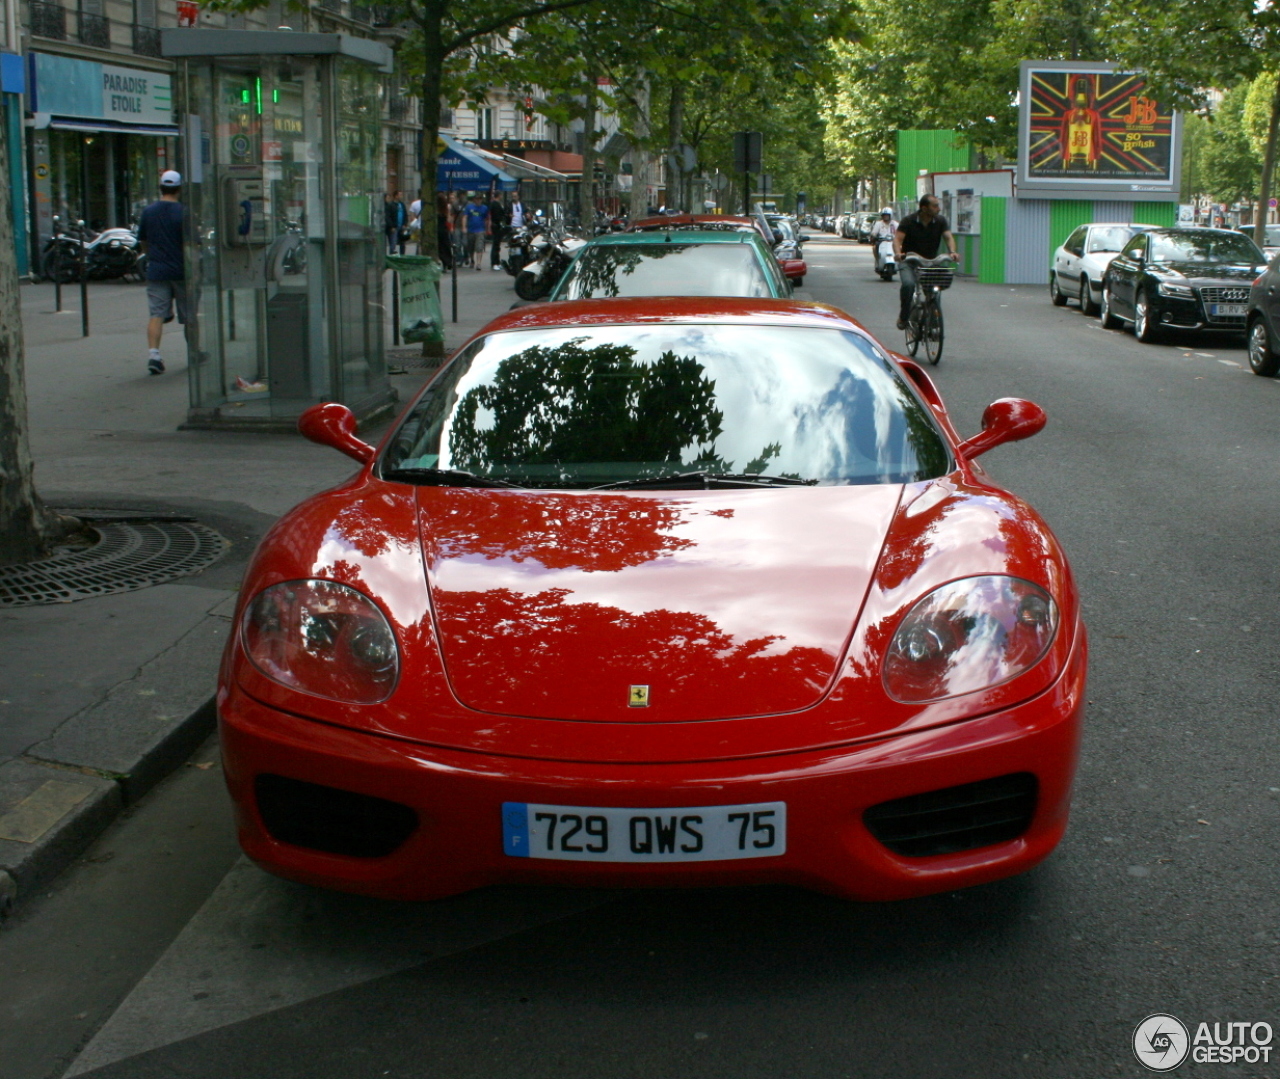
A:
(924, 322)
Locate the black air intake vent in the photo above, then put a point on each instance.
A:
(956, 818)
(332, 820)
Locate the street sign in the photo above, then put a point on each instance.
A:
(748, 151)
(1271, 203)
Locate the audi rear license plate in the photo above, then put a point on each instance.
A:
(1225, 310)
(609, 834)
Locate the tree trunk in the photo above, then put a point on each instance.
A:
(1268, 169)
(675, 130)
(587, 189)
(27, 527)
(431, 23)
(432, 76)
(640, 153)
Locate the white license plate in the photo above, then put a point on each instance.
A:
(1226, 309)
(609, 834)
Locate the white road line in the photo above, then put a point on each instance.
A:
(259, 944)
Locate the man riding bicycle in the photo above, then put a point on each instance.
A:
(921, 233)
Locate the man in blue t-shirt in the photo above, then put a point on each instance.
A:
(476, 215)
(160, 234)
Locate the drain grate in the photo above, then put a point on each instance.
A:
(132, 552)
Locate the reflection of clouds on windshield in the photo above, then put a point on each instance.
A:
(813, 403)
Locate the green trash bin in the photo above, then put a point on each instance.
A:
(420, 316)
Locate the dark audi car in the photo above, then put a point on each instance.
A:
(1264, 321)
(1185, 279)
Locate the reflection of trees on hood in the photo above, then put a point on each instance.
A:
(517, 652)
(596, 273)
(571, 404)
(592, 533)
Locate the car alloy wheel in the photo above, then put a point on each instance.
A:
(1263, 359)
(1107, 315)
(1087, 303)
(1056, 295)
(1143, 328)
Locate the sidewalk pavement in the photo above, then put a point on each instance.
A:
(101, 698)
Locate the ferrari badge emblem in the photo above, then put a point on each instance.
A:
(639, 697)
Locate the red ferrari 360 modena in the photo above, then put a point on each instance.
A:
(686, 591)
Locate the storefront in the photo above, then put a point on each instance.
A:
(100, 138)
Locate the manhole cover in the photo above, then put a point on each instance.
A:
(132, 552)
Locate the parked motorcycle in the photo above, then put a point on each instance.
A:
(551, 257)
(519, 250)
(886, 264)
(106, 255)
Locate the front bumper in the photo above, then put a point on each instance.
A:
(457, 796)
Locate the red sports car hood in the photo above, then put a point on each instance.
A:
(642, 607)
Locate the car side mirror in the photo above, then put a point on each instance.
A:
(332, 424)
(1010, 419)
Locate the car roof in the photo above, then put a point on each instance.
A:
(673, 309)
(1120, 225)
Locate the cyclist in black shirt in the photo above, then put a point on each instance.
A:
(923, 233)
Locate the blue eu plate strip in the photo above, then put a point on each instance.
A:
(515, 829)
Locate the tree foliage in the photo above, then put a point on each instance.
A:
(947, 66)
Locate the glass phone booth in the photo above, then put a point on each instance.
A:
(284, 237)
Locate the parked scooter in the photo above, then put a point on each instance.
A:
(551, 257)
(886, 264)
(105, 255)
(519, 250)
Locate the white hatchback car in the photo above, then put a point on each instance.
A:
(1078, 265)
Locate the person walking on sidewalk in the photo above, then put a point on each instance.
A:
(476, 214)
(160, 236)
(395, 221)
(497, 229)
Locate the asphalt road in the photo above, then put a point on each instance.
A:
(163, 955)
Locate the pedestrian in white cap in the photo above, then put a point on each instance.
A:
(160, 234)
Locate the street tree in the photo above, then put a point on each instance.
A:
(680, 73)
(1204, 44)
(28, 528)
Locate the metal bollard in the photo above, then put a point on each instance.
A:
(84, 287)
(395, 307)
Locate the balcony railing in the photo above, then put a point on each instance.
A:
(384, 16)
(95, 30)
(48, 20)
(330, 5)
(399, 108)
(146, 40)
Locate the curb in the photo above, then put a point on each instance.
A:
(59, 797)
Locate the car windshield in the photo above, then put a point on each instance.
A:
(1111, 239)
(664, 269)
(1205, 246)
(751, 405)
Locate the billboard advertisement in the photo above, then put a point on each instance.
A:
(1088, 129)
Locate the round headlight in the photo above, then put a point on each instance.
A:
(323, 638)
(969, 635)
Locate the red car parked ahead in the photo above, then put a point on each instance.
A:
(685, 591)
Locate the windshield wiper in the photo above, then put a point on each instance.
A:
(708, 480)
(443, 477)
